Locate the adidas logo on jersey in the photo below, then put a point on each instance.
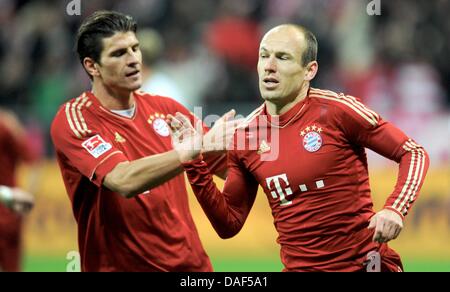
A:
(263, 147)
(119, 138)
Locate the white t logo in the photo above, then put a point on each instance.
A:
(279, 191)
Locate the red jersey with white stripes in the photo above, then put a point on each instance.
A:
(153, 231)
(318, 183)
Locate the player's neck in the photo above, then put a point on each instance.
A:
(112, 99)
(279, 108)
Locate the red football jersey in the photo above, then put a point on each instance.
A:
(312, 165)
(153, 231)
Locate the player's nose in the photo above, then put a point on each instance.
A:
(270, 65)
(133, 58)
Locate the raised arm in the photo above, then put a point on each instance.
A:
(104, 164)
(131, 178)
(226, 210)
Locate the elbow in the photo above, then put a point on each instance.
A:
(119, 182)
(122, 187)
(226, 233)
(128, 192)
(231, 225)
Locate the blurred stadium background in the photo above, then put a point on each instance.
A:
(204, 53)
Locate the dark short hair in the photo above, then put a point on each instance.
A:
(99, 25)
(310, 52)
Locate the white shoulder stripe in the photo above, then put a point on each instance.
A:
(350, 101)
(75, 117)
(69, 120)
(363, 106)
(84, 127)
(368, 119)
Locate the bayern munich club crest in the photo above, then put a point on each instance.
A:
(312, 140)
(159, 124)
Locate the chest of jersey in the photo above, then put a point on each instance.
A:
(306, 157)
(147, 133)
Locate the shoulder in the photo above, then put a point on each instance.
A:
(252, 118)
(247, 132)
(345, 105)
(73, 118)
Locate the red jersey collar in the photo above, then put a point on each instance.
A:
(99, 106)
(289, 116)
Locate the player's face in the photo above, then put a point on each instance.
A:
(121, 61)
(280, 69)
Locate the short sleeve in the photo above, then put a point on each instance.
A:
(91, 153)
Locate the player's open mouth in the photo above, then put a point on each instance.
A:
(270, 82)
(132, 74)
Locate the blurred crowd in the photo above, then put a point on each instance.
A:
(204, 52)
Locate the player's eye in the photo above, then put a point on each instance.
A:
(118, 53)
(283, 57)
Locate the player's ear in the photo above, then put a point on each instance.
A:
(91, 66)
(311, 70)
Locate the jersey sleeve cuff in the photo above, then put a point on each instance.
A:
(395, 210)
(106, 166)
(194, 162)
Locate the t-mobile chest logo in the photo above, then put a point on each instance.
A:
(279, 191)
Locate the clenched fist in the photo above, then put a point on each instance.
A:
(388, 225)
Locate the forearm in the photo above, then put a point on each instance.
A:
(135, 177)
(227, 211)
(390, 142)
(217, 163)
(413, 167)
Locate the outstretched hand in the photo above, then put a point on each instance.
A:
(189, 142)
(219, 137)
(186, 139)
(387, 224)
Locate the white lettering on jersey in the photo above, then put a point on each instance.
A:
(96, 146)
(279, 192)
(303, 188)
(320, 184)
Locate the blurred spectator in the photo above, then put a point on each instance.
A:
(209, 50)
(13, 150)
(154, 81)
(234, 38)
